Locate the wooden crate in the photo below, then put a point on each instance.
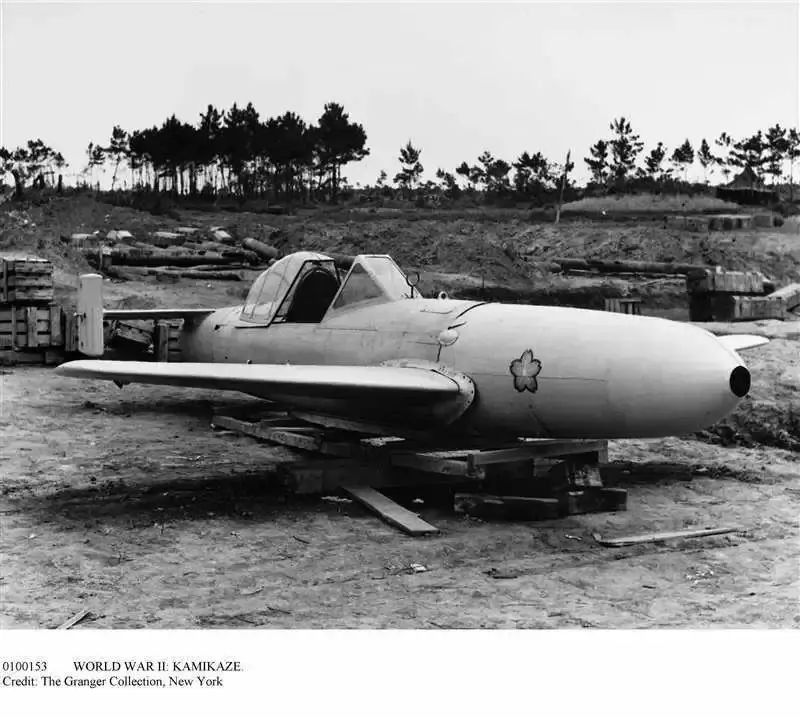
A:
(751, 308)
(166, 340)
(789, 295)
(31, 327)
(732, 308)
(623, 305)
(25, 280)
(726, 282)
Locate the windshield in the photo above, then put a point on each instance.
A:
(373, 278)
(391, 277)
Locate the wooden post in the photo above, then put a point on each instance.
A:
(90, 315)
(30, 325)
(161, 340)
(70, 333)
(56, 335)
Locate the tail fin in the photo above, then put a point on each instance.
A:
(90, 315)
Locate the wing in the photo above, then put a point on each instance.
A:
(737, 342)
(331, 382)
(155, 313)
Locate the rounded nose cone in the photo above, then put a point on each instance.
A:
(740, 381)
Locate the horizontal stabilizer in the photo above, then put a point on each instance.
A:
(373, 382)
(737, 342)
(155, 313)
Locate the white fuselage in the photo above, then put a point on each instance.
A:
(538, 371)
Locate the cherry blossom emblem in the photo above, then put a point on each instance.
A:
(525, 370)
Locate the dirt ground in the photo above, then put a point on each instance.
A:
(126, 503)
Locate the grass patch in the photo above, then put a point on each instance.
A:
(651, 203)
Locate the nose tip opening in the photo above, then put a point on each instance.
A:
(740, 381)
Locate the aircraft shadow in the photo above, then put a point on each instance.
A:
(249, 495)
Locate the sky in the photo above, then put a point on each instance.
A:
(454, 78)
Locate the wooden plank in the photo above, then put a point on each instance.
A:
(8, 313)
(11, 357)
(663, 536)
(36, 281)
(29, 296)
(30, 319)
(537, 450)
(269, 433)
(21, 340)
(390, 511)
(41, 328)
(77, 618)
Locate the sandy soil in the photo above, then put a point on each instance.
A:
(128, 504)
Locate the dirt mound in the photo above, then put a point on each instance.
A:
(460, 246)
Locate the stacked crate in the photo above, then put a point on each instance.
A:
(726, 296)
(31, 326)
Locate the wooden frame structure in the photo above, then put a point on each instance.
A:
(546, 478)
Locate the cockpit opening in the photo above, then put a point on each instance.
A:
(305, 287)
(313, 296)
(297, 288)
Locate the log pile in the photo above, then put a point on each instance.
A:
(187, 248)
(140, 257)
(569, 265)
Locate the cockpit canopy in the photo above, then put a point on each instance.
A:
(305, 286)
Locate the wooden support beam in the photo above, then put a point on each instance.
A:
(161, 340)
(390, 511)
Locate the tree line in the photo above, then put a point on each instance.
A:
(235, 152)
(766, 155)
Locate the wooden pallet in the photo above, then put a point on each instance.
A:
(31, 327)
(25, 280)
